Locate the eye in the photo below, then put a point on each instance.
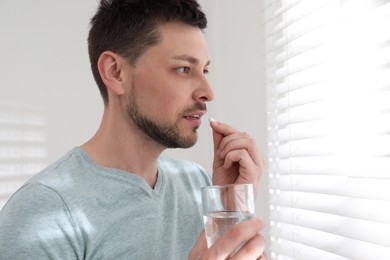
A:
(184, 70)
(205, 71)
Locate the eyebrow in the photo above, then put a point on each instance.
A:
(189, 59)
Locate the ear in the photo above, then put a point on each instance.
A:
(110, 67)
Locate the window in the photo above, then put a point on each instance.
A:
(328, 90)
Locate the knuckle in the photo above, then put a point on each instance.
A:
(256, 246)
(242, 152)
(262, 239)
(214, 254)
(235, 232)
(252, 141)
(258, 224)
(251, 249)
(208, 256)
(262, 159)
(246, 135)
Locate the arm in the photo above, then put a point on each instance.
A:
(36, 224)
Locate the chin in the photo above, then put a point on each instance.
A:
(187, 141)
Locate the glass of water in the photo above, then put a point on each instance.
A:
(224, 207)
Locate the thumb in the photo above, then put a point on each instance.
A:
(200, 247)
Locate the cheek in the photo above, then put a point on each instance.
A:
(152, 84)
(160, 94)
(156, 101)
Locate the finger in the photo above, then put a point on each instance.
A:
(248, 144)
(222, 128)
(229, 138)
(248, 171)
(220, 131)
(217, 138)
(235, 237)
(244, 160)
(237, 156)
(200, 247)
(264, 256)
(253, 249)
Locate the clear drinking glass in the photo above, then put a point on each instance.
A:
(224, 207)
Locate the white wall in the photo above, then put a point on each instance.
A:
(44, 63)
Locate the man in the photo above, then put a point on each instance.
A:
(115, 197)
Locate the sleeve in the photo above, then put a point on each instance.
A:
(36, 224)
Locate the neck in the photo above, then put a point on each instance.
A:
(120, 145)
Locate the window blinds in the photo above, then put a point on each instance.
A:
(328, 104)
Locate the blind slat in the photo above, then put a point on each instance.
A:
(366, 188)
(378, 80)
(363, 209)
(356, 229)
(296, 20)
(375, 125)
(372, 146)
(354, 166)
(332, 108)
(288, 250)
(339, 245)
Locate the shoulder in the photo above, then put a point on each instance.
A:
(48, 186)
(35, 198)
(61, 172)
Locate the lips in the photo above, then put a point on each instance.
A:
(195, 115)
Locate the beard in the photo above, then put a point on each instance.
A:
(166, 134)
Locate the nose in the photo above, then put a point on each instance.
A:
(204, 92)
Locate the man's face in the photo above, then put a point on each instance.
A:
(168, 87)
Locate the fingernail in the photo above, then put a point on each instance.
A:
(211, 119)
(261, 221)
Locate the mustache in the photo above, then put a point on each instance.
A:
(196, 107)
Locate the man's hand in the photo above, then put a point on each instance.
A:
(225, 246)
(237, 159)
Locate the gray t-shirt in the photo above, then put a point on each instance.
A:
(76, 209)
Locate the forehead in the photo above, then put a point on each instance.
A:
(178, 39)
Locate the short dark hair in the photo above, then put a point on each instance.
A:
(129, 27)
